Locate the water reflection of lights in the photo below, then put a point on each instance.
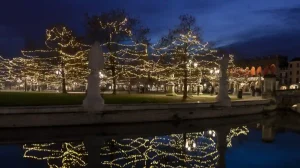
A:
(57, 155)
(234, 132)
(190, 144)
(212, 133)
(197, 149)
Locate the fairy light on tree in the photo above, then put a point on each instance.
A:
(181, 48)
(125, 44)
(64, 53)
(115, 29)
(239, 74)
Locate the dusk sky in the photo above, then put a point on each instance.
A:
(248, 27)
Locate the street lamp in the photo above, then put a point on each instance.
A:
(101, 75)
(214, 71)
(58, 72)
(195, 64)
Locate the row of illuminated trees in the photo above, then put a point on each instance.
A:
(129, 57)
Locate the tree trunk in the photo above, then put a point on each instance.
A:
(185, 79)
(113, 71)
(63, 82)
(25, 85)
(185, 85)
(129, 87)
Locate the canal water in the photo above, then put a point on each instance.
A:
(244, 145)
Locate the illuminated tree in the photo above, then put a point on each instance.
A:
(115, 30)
(181, 49)
(64, 57)
(273, 69)
(259, 70)
(239, 74)
(252, 71)
(7, 71)
(61, 40)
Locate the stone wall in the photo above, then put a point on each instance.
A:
(287, 98)
(117, 114)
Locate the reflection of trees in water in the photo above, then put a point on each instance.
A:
(234, 132)
(175, 150)
(162, 151)
(57, 155)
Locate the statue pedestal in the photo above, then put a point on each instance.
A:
(222, 98)
(93, 101)
(269, 87)
(171, 89)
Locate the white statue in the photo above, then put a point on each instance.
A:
(93, 101)
(222, 98)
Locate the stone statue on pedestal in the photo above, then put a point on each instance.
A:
(93, 101)
(222, 98)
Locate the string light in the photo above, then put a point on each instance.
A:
(159, 151)
(65, 155)
(65, 59)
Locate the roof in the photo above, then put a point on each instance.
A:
(295, 59)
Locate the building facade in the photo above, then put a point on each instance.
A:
(294, 71)
(280, 62)
(283, 76)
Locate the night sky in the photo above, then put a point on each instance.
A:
(247, 27)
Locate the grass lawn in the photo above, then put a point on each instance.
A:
(41, 99)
